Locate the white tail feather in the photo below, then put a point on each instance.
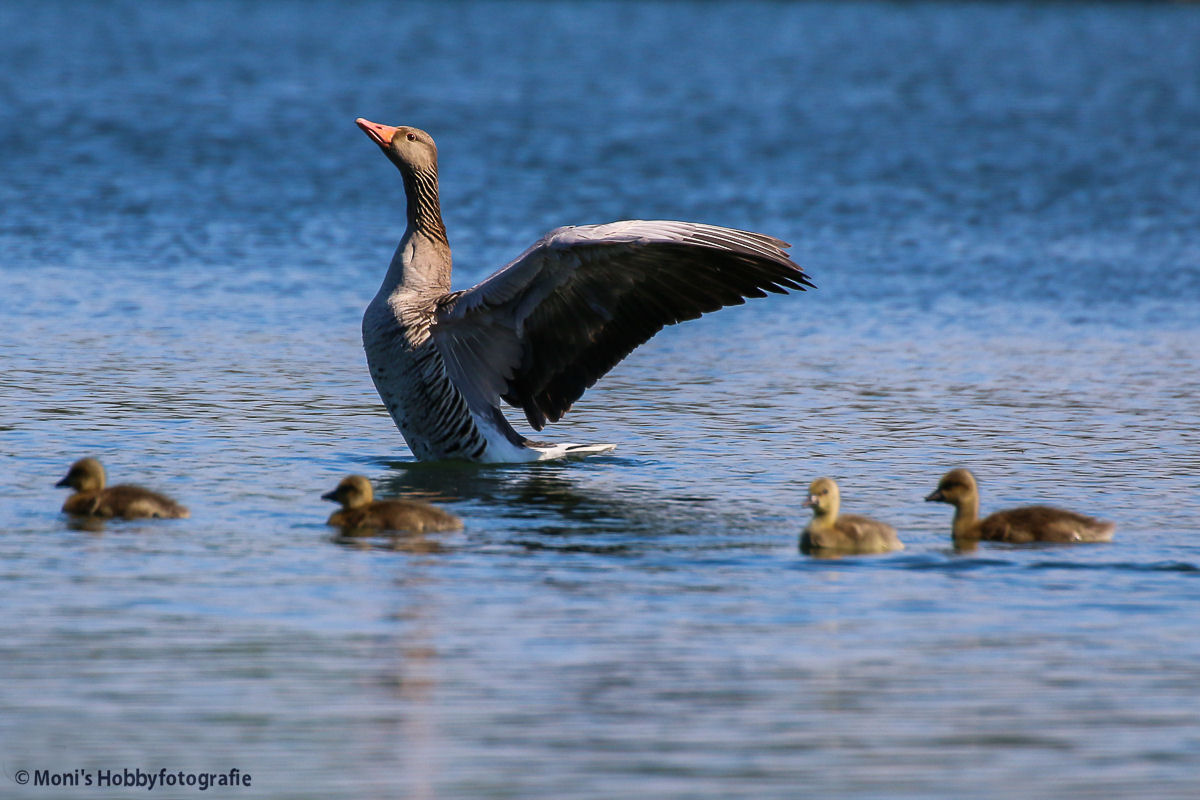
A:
(568, 450)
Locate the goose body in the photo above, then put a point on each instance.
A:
(361, 511)
(93, 499)
(1016, 525)
(541, 330)
(830, 532)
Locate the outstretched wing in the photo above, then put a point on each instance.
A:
(545, 327)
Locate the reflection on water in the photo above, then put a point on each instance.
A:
(399, 541)
(998, 205)
(86, 524)
(551, 500)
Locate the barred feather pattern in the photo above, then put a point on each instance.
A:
(424, 207)
(411, 379)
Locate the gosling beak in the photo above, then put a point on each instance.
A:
(330, 496)
(64, 482)
(811, 501)
(380, 134)
(935, 496)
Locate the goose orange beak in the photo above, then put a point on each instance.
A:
(380, 134)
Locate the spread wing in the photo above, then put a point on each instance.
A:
(545, 327)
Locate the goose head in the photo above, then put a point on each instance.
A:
(85, 475)
(351, 492)
(411, 149)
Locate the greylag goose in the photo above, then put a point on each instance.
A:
(91, 499)
(546, 326)
(1016, 525)
(831, 533)
(361, 511)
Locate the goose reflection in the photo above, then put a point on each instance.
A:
(557, 507)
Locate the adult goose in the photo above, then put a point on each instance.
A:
(361, 511)
(92, 499)
(831, 533)
(542, 329)
(1015, 525)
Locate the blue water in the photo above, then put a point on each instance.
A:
(1000, 205)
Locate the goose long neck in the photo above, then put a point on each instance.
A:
(424, 207)
(420, 269)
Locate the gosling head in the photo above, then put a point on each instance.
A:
(85, 475)
(956, 487)
(411, 149)
(351, 492)
(823, 497)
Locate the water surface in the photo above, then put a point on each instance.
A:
(999, 204)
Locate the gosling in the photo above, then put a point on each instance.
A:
(361, 511)
(91, 499)
(1015, 525)
(848, 533)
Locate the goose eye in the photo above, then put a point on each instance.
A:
(412, 137)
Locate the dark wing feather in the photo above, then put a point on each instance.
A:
(539, 332)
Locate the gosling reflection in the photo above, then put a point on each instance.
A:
(1016, 525)
(391, 541)
(831, 535)
(86, 524)
(92, 499)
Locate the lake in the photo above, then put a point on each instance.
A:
(999, 205)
